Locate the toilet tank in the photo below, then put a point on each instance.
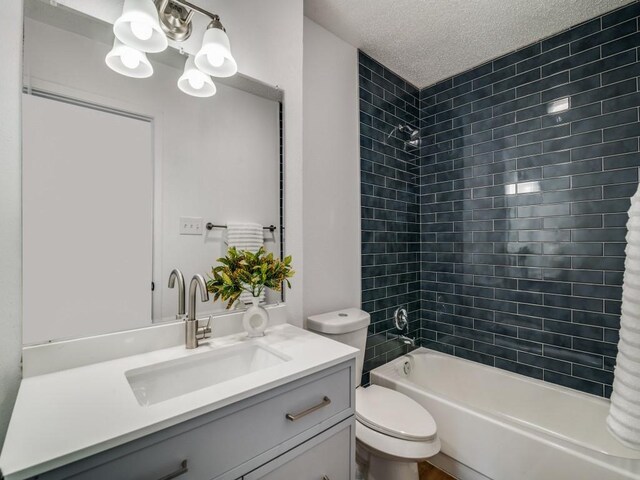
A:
(347, 326)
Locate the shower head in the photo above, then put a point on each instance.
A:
(412, 143)
(411, 135)
(414, 139)
(408, 129)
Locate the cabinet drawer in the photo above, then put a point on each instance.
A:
(329, 456)
(253, 433)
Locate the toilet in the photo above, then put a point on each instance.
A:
(393, 431)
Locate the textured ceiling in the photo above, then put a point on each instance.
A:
(425, 41)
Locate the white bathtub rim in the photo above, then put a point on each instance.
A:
(393, 368)
(582, 453)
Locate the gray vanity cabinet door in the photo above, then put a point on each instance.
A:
(328, 456)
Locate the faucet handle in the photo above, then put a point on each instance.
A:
(401, 320)
(203, 333)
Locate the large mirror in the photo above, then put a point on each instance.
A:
(125, 179)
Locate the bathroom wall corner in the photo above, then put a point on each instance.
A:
(390, 210)
(10, 210)
(331, 170)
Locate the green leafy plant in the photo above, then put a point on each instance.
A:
(242, 271)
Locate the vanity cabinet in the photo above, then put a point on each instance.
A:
(321, 458)
(290, 431)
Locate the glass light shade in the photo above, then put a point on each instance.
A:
(128, 61)
(215, 56)
(194, 82)
(138, 27)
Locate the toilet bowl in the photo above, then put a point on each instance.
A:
(393, 431)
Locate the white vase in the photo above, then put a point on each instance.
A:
(255, 319)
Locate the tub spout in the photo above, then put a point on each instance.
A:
(407, 341)
(411, 342)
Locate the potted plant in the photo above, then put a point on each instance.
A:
(243, 271)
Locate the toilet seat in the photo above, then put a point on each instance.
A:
(394, 414)
(386, 446)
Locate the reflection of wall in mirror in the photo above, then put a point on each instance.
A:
(215, 158)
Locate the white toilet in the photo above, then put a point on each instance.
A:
(393, 431)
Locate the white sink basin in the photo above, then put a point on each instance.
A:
(165, 380)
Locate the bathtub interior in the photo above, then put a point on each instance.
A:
(558, 411)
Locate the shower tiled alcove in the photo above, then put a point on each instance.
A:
(504, 233)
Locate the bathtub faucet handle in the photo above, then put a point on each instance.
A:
(401, 320)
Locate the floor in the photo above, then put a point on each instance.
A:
(429, 472)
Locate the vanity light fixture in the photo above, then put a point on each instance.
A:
(138, 27)
(146, 25)
(194, 82)
(128, 61)
(215, 56)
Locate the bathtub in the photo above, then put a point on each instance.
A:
(504, 426)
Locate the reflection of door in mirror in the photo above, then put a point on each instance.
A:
(87, 220)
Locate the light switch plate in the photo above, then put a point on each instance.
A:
(190, 225)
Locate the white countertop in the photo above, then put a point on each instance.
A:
(68, 415)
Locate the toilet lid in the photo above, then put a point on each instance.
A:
(393, 414)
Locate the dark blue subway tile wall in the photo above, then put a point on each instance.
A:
(522, 212)
(504, 235)
(390, 208)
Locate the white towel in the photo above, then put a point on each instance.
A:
(624, 412)
(246, 236)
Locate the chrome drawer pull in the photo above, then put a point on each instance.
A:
(297, 416)
(181, 471)
(324, 477)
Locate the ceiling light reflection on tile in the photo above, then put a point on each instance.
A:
(557, 106)
(520, 188)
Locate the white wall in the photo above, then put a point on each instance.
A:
(10, 208)
(331, 172)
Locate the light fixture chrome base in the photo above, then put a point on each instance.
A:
(175, 20)
(216, 23)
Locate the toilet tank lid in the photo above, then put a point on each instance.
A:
(340, 321)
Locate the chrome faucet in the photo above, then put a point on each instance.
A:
(193, 332)
(176, 275)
